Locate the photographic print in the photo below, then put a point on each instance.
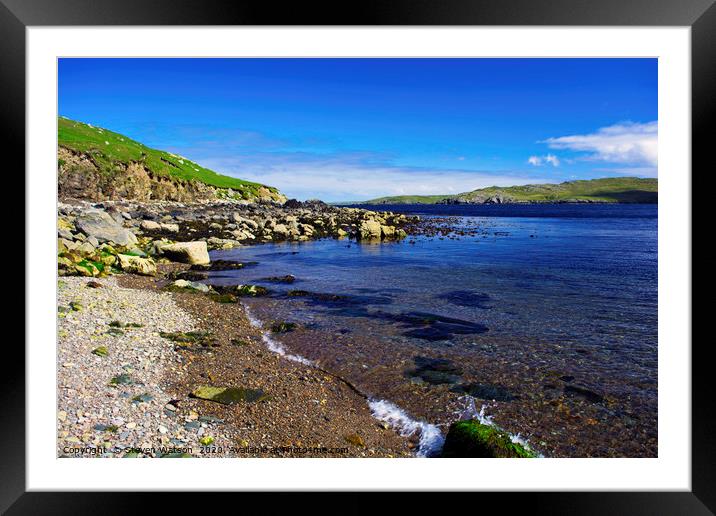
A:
(357, 257)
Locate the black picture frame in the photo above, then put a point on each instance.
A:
(700, 15)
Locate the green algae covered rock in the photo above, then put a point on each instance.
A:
(470, 438)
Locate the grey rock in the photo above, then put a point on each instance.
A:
(186, 252)
(104, 228)
(150, 225)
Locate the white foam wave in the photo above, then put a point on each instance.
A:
(471, 412)
(431, 438)
(272, 344)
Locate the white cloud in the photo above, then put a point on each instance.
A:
(625, 143)
(538, 161)
(551, 158)
(340, 179)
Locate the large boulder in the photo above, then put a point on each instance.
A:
(149, 225)
(388, 231)
(470, 438)
(137, 265)
(99, 224)
(369, 229)
(170, 226)
(187, 252)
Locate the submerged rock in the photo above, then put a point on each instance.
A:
(435, 370)
(221, 265)
(590, 396)
(282, 327)
(472, 439)
(486, 391)
(289, 278)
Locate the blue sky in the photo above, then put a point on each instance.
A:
(352, 129)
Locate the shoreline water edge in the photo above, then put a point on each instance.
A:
(156, 360)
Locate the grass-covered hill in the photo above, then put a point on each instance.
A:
(407, 199)
(111, 152)
(617, 189)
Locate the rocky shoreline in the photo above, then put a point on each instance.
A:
(152, 363)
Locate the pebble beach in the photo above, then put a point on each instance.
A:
(124, 390)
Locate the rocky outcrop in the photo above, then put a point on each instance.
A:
(80, 178)
(476, 198)
(96, 239)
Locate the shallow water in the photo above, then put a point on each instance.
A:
(546, 316)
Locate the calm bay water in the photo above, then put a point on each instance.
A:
(546, 316)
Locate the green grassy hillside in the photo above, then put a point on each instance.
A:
(107, 149)
(406, 199)
(618, 189)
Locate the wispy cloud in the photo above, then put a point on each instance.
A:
(538, 161)
(342, 177)
(624, 143)
(304, 171)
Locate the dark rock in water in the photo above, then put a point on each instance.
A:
(282, 327)
(289, 278)
(591, 396)
(429, 333)
(567, 378)
(221, 265)
(251, 290)
(472, 439)
(339, 300)
(298, 293)
(466, 298)
(485, 391)
(188, 275)
(436, 327)
(435, 370)
(228, 395)
(241, 290)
